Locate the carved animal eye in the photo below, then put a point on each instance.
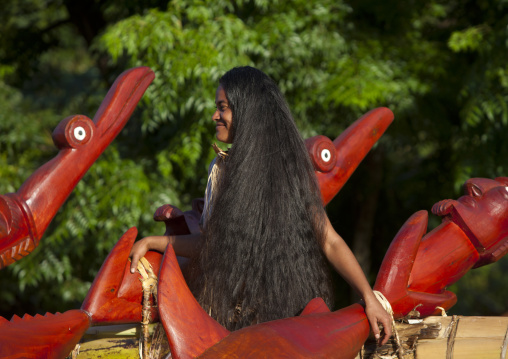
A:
(322, 153)
(79, 133)
(73, 132)
(326, 155)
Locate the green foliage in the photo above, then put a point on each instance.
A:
(482, 291)
(469, 39)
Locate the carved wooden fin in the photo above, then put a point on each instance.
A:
(316, 305)
(393, 277)
(104, 301)
(189, 328)
(52, 336)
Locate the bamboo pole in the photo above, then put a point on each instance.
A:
(128, 341)
(149, 283)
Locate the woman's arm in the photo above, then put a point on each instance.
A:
(187, 245)
(344, 261)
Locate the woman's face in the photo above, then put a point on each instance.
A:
(223, 117)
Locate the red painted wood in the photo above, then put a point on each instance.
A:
(189, 328)
(395, 271)
(116, 295)
(316, 305)
(51, 336)
(191, 331)
(474, 232)
(400, 262)
(340, 334)
(483, 216)
(444, 256)
(416, 270)
(351, 147)
(24, 216)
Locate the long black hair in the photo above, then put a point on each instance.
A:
(262, 257)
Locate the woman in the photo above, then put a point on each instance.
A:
(265, 234)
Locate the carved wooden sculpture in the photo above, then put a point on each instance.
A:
(26, 214)
(417, 269)
(412, 274)
(115, 296)
(473, 233)
(336, 161)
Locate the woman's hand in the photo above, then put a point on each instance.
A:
(186, 245)
(344, 261)
(139, 249)
(377, 314)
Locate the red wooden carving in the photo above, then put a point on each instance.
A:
(115, 296)
(417, 268)
(335, 162)
(189, 328)
(51, 336)
(192, 333)
(25, 215)
(473, 233)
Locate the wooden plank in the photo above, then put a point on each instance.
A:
(482, 327)
(464, 348)
(472, 327)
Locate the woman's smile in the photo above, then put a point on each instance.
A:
(223, 117)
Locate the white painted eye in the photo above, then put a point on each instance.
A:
(79, 133)
(326, 155)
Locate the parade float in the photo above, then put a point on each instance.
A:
(119, 316)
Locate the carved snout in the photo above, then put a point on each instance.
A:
(349, 150)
